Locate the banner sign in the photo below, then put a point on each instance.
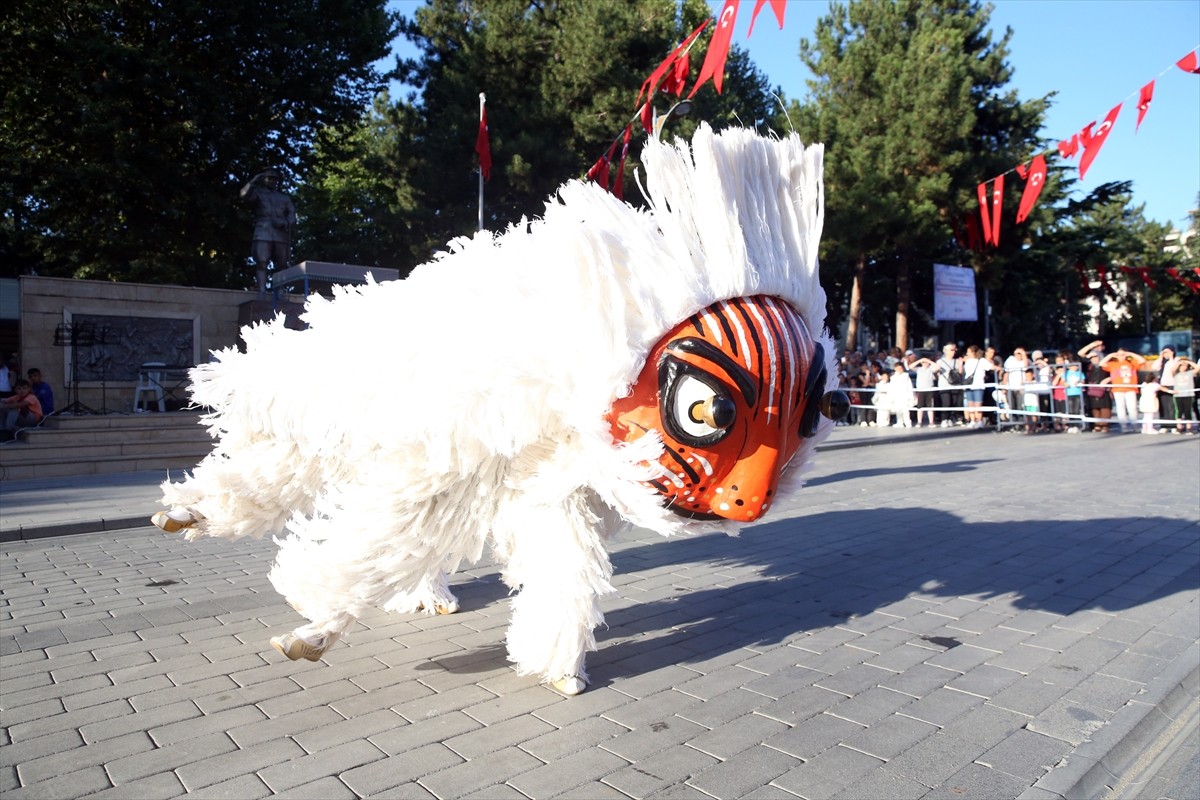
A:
(954, 294)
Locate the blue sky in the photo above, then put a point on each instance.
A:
(1092, 53)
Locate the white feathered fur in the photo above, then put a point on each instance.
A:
(414, 419)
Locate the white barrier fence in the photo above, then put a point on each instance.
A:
(1005, 416)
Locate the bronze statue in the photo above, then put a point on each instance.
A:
(274, 217)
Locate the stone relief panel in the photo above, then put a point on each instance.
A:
(123, 343)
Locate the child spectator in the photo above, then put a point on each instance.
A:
(901, 396)
(1029, 401)
(926, 376)
(22, 409)
(882, 402)
(1185, 396)
(1058, 394)
(1074, 380)
(1148, 402)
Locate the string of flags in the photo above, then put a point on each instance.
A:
(1086, 144)
(1103, 273)
(670, 77)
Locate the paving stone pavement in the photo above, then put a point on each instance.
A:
(992, 616)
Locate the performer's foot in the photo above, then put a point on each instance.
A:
(296, 648)
(569, 685)
(442, 608)
(174, 521)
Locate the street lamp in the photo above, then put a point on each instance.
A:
(680, 109)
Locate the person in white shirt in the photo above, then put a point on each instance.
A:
(949, 377)
(1014, 377)
(1164, 371)
(974, 371)
(926, 375)
(901, 397)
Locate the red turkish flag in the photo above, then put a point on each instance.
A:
(674, 83)
(1193, 285)
(984, 214)
(619, 186)
(1189, 63)
(482, 146)
(1144, 103)
(1092, 142)
(997, 202)
(718, 49)
(778, 6)
(1143, 273)
(1083, 279)
(1069, 147)
(1035, 180)
(599, 172)
(974, 235)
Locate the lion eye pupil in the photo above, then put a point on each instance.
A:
(716, 412)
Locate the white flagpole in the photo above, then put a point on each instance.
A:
(482, 100)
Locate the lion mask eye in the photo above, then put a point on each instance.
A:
(700, 410)
(696, 408)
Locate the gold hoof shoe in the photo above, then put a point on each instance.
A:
(165, 522)
(570, 685)
(296, 648)
(447, 608)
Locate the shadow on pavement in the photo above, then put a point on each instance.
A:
(783, 581)
(948, 467)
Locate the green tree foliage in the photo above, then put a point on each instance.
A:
(1127, 239)
(909, 99)
(561, 79)
(1174, 306)
(126, 129)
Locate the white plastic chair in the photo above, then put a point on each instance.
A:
(150, 380)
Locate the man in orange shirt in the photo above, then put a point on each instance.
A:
(1122, 368)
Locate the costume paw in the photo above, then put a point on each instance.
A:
(448, 607)
(296, 648)
(173, 521)
(569, 685)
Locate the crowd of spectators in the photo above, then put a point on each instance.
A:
(1027, 391)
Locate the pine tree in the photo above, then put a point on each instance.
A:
(908, 98)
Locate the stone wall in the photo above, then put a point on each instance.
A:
(124, 325)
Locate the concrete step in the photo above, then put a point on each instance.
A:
(154, 419)
(25, 453)
(58, 438)
(65, 446)
(61, 468)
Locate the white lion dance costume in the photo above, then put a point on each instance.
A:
(535, 389)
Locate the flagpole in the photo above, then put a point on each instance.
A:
(482, 100)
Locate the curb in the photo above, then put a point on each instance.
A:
(1098, 765)
(122, 523)
(72, 528)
